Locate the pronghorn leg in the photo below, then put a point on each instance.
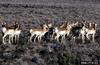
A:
(31, 37)
(73, 39)
(87, 35)
(12, 38)
(62, 38)
(83, 39)
(9, 39)
(38, 38)
(4, 38)
(53, 36)
(93, 38)
(41, 37)
(15, 38)
(35, 38)
(57, 38)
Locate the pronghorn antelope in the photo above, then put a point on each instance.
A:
(39, 32)
(82, 32)
(91, 31)
(17, 33)
(50, 32)
(77, 30)
(62, 31)
(9, 30)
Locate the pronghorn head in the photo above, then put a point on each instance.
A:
(69, 27)
(45, 27)
(3, 24)
(16, 26)
(63, 25)
(4, 29)
(50, 25)
(74, 23)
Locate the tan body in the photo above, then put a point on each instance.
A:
(39, 32)
(62, 31)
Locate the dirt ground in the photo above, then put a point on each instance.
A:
(48, 52)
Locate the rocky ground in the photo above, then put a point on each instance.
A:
(48, 52)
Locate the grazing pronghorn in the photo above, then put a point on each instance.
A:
(39, 32)
(62, 31)
(9, 30)
(91, 31)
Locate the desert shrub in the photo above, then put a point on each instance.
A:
(68, 59)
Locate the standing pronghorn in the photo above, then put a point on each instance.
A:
(62, 31)
(39, 32)
(83, 32)
(91, 31)
(17, 32)
(9, 30)
(77, 30)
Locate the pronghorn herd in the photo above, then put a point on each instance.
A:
(67, 29)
